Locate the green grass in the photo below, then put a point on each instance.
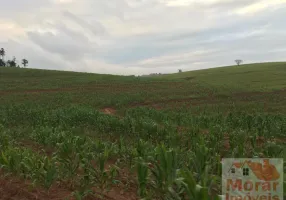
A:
(169, 133)
(248, 77)
(262, 76)
(19, 78)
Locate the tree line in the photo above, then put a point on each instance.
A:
(10, 63)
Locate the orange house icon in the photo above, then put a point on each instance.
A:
(264, 172)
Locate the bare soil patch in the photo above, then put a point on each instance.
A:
(109, 111)
(36, 147)
(119, 193)
(94, 87)
(16, 189)
(12, 188)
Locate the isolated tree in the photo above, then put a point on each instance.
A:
(25, 62)
(12, 63)
(180, 70)
(2, 63)
(9, 63)
(238, 62)
(2, 53)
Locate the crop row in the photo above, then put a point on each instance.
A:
(167, 162)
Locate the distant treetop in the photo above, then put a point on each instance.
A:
(10, 63)
(238, 61)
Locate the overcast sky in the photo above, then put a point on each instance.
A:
(142, 36)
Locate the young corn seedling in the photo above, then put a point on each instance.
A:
(200, 158)
(192, 190)
(81, 195)
(50, 172)
(164, 171)
(273, 150)
(10, 159)
(142, 176)
(69, 161)
(104, 176)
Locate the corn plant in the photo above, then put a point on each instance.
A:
(192, 190)
(81, 195)
(200, 157)
(142, 176)
(50, 174)
(164, 170)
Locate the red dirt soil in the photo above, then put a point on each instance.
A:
(119, 194)
(109, 111)
(36, 147)
(90, 87)
(15, 189)
(12, 188)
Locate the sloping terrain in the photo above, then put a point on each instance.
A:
(67, 135)
(259, 76)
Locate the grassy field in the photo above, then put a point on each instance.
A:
(249, 77)
(67, 135)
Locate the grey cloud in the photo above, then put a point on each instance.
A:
(249, 49)
(62, 43)
(134, 53)
(75, 35)
(95, 27)
(36, 58)
(230, 4)
(258, 33)
(11, 8)
(114, 8)
(174, 31)
(17, 5)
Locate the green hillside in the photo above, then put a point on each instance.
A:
(57, 88)
(21, 78)
(259, 76)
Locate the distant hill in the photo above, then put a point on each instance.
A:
(261, 76)
(248, 77)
